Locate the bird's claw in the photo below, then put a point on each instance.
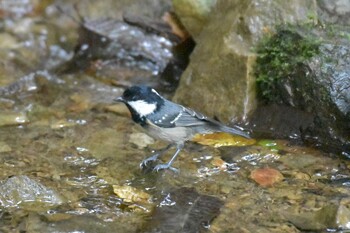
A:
(160, 167)
(144, 162)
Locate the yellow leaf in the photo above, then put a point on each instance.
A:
(222, 139)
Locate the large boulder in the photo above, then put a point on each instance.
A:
(308, 69)
(219, 80)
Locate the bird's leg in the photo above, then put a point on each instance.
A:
(154, 156)
(168, 164)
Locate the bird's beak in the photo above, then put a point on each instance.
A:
(119, 99)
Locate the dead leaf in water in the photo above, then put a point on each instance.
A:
(266, 177)
(222, 139)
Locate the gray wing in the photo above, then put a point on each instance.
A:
(179, 116)
(175, 115)
(188, 117)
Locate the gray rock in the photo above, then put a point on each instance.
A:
(130, 46)
(336, 11)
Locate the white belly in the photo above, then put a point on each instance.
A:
(172, 135)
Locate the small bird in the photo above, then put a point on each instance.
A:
(168, 121)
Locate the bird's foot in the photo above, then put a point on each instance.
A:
(159, 167)
(144, 162)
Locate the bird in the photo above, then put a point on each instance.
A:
(168, 121)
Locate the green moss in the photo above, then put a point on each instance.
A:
(278, 57)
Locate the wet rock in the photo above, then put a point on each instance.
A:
(310, 72)
(22, 189)
(279, 121)
(12, 118)
(219, 80)
(334, 12)
(80, 223)
(185, 210)
(134, 198)
(116, 9)
(130, 194)
(4, 147)
(308, 160)
(37, 45)
(6, 103)
(121, 44)
(141, 140)
(26, 84)
(59, 124)
(315, 220)
(17, 8)
(343, 214)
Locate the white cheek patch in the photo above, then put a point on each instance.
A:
(142, 108)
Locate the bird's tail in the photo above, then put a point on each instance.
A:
(234, 130)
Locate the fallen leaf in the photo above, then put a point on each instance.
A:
(222, 139)
(266, 177)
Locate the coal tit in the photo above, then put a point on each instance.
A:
(168, 121)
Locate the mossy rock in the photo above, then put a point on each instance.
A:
(307, 67)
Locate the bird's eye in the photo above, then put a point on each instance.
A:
(127, 95)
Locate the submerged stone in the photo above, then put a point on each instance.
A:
(343, 214)
(21, 189)
(185, 210)
(12, 118)
(4, 147)
(314, 220)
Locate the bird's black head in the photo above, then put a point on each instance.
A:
(141, 100)
(145, 93)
